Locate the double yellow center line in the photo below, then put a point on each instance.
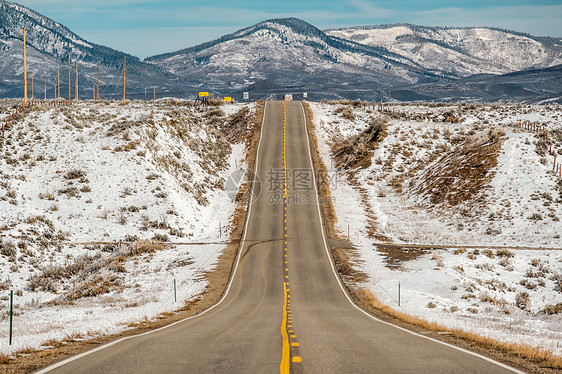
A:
(287, 331)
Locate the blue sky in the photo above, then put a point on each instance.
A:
(148, 27)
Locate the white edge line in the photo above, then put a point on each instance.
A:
(346, 293)
(241, 247)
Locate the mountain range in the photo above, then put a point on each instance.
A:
(385, 62)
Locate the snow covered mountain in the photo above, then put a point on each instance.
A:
(290, 53)
(460, 52)
(48, 46)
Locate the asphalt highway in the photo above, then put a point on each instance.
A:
(285, 310)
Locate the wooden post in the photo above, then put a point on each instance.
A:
(124, 78)
(45, 76)
(69, 84)
(58, 84)
(98, 79)
(25, 67)
(11, 314)
(76, 83)
(55, 89)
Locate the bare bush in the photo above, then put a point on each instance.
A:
(122, 219)
(8, 248)
(75, 174)
(50, 276)
(523, 300)
(553, 309)
(504, 253)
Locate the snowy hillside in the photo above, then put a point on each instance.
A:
(476, 246)
(460, 51)
(103, 207)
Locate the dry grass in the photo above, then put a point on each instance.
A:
(4, 359)
(357, 150)
(343, 260)
(236, 128)
(541, 357)
(461, 175)
(53, 343)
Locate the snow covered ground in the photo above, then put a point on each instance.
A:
(88, 194)
(498, 292)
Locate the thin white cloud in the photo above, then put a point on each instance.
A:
(369, 9)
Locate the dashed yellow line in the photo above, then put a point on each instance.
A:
(285, 365)
(287, 330)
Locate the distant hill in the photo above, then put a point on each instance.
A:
(529, 86)
(290, 53)
(460, 52)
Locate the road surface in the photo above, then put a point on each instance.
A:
(285, 309)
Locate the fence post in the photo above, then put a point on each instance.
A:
(11, 313)
(175, 293)
(398, 293)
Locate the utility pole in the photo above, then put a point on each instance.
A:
(24, 67)
(98, 80)
(124, 78)
(76, 83)
(69, 83)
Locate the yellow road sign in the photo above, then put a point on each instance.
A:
(203, 94)
(228, 99)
